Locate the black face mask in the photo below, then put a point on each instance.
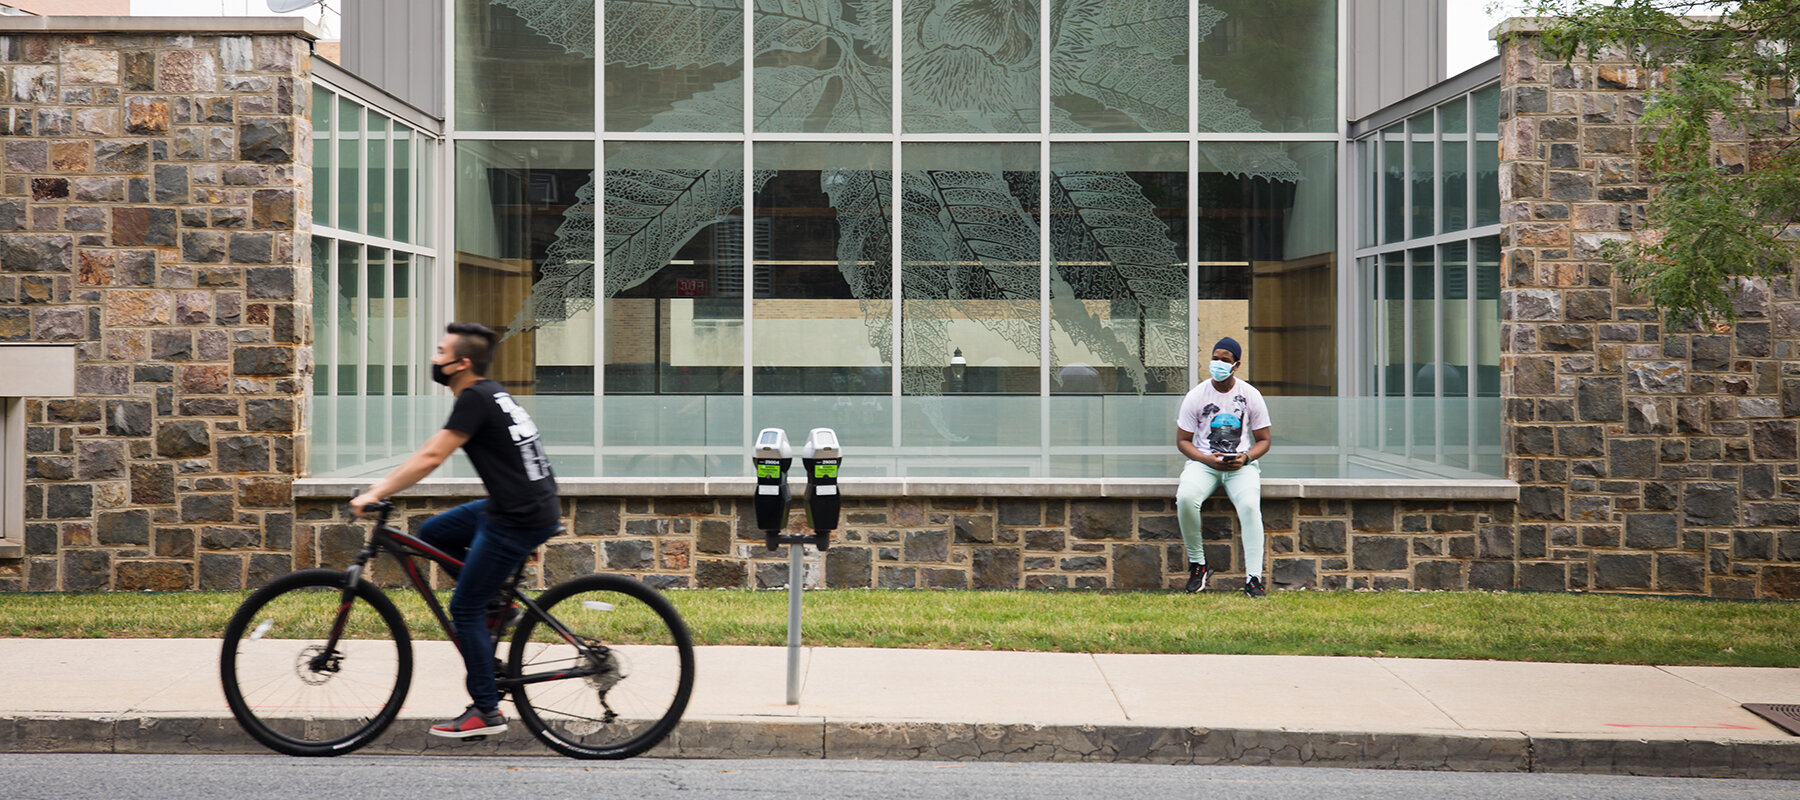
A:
(438, 375)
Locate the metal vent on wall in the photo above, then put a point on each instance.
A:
(1786, 716)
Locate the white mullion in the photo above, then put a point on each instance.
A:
(599, 238)
(896, 363)
(748, 232)
(1046, 260)
(1437, 351)
(1193, 196)
(444, 296)
(529, 136)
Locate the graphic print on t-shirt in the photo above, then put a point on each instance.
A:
(524, 434)
(1225, 429)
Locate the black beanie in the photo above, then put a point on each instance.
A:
(1228, 343)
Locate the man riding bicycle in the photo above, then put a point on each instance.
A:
(492, 537)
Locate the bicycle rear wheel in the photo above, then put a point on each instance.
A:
(294, 695)
(638, 679)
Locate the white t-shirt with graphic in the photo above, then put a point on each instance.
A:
(1222, 421)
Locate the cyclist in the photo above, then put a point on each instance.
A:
(491, 537)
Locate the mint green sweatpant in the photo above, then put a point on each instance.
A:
(1244, 487)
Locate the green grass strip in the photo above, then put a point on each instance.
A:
(1581, 628)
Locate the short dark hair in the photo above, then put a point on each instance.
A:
(474, 342)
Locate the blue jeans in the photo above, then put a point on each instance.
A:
(490, 555)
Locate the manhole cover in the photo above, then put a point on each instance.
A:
(1786, 716)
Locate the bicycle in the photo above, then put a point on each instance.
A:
(318, 662)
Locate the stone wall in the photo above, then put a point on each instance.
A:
(153, 210)
(988, 543)
(1651, 458)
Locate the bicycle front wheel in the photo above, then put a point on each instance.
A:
(296, 695)
(630, 686)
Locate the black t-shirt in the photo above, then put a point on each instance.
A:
(503, 443)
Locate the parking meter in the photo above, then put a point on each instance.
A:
(773, 457)
(821, 456)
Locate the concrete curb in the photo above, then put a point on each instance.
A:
(1477, 751)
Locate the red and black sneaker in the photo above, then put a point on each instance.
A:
(473, 722)
(1198, 574)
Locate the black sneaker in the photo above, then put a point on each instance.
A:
(1198, 574)
(1253, 586)
(473, 722)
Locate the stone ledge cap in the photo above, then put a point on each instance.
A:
(1023, 488)
(291, 26)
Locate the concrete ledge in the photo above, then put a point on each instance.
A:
(1285, 488)
(291, 26)
(1462, 751)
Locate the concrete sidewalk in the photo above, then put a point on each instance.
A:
(163, 696)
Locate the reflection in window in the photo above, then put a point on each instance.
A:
(524, 260)
(322, 106)
(525, 65)
(674, 264)
(1267, 271)
(823, 305)
(1454, 117)
(1122, 67)
(1424, 176)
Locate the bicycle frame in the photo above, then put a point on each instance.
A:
(406, 549)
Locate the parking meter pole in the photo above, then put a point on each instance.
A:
(796, 574)
(773, 457)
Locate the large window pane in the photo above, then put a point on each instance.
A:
(971, 66)
(376, 268)
(824, 66)
(1268, 238)
(324, 103)
(1487, 156)
(1120, 66)
(1424, 176)
(350, 311)
(680, 66)
(1118, 291)
(528, 65)
(379, 210)
(404, 175)
(1453, 372)
(349, 138)
(524, 259)
(1487, 316)
(1423, 289)
(824, 288)
(1393, 185)
(1267, 65)
(970, 283)
(674, 262)
(401, 309)
(324, 335)
(969, 271)
(1454, 118)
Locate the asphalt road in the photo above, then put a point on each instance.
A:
(122, 777)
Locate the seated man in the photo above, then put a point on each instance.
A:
(1222, 428)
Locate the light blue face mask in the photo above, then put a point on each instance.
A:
(1220, 370)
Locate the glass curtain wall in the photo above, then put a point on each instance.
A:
(1428, 278)
(977, 238)
(371, 266)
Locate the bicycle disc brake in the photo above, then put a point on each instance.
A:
(315, 665)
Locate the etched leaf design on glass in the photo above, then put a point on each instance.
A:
(862, 199)
(565, 286)
(971, 252)
(1111, 246)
